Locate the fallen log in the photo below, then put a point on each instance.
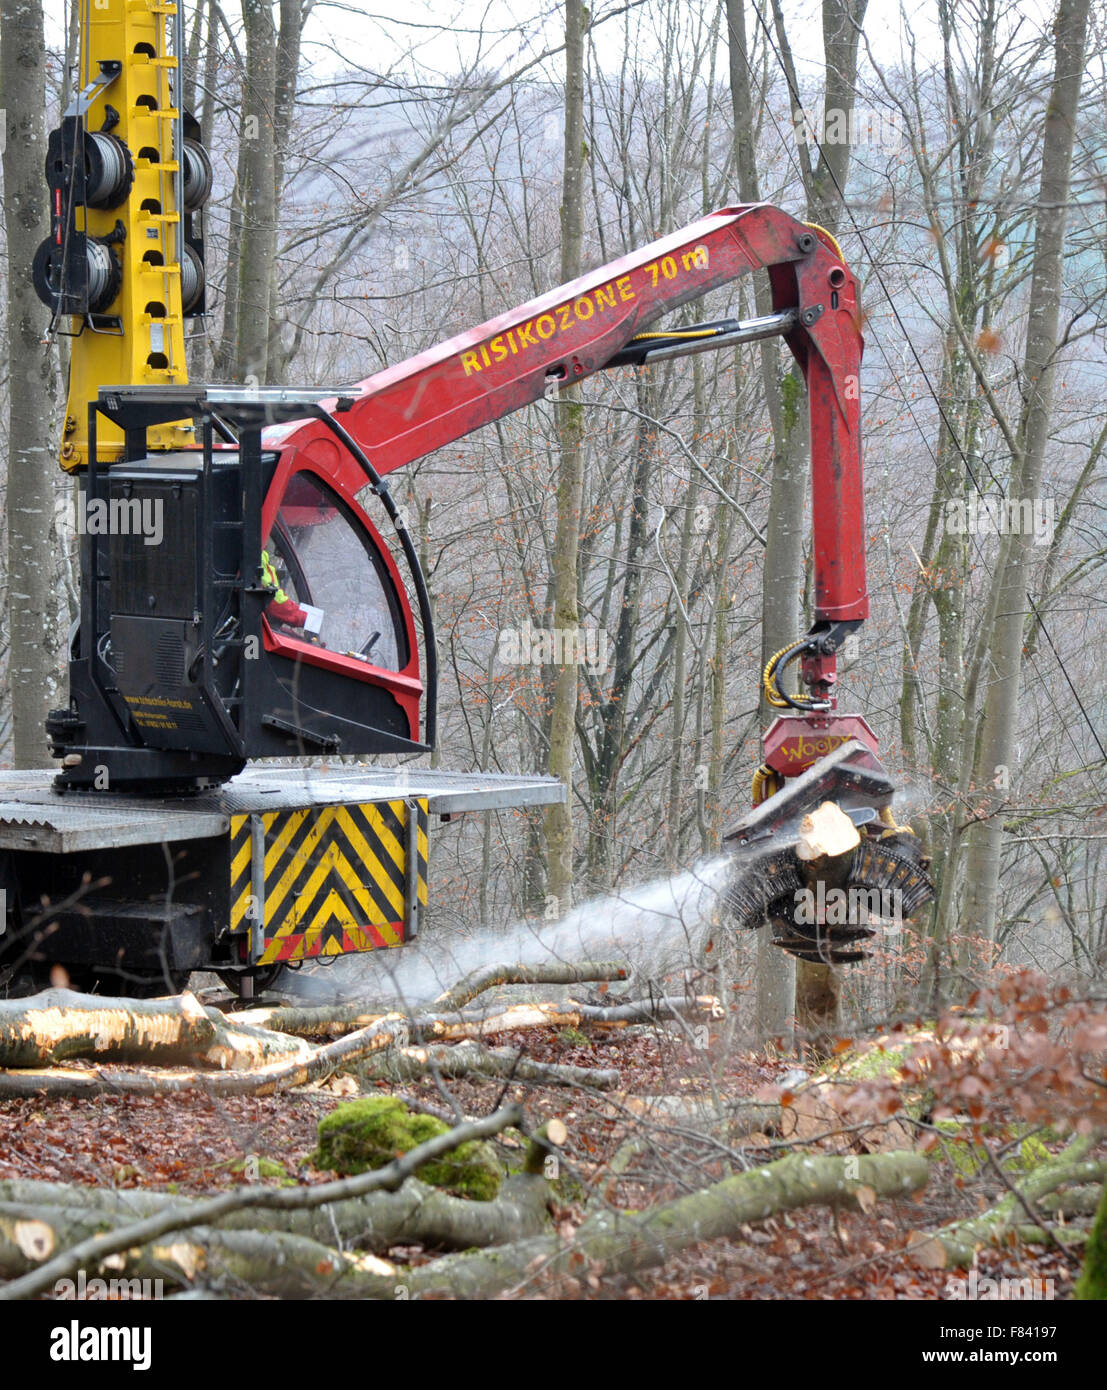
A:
(727, 1119)
(518, 1017)
(266, 1080)
(334, 1019)
(623, 1242)
(94, 1251)
(294, 1265)
(955, 1246)
(550, 973)
(254, 1059)
(469, 1058)
(60, 1025)
(414, 1214)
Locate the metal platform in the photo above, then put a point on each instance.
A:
(35, 817)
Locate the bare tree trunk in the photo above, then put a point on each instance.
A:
(996, 753)
(284, 106)
(570, 418)
(688, 529)
(824, 173)
(782, 576)
(201, 343)
(225, 353)
(31, 384)
(259, 211)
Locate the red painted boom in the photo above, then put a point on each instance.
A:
(409, 410)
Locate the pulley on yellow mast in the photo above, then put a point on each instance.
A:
(123, 266)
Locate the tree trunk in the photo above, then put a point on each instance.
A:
(782, 575)
(32, 608)
(570, 487)
(1092, 1284)
(414, 1214)
(259, 206)
(301, 1262)
(285, 81)
(955, 1246)
(997, 749)
(624, 1242)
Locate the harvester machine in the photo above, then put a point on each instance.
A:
(262, 614)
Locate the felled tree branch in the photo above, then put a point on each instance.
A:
(265, 1080)
(30, 1231)
(297, 1263)
(474, 1023)
(470, 1058)
(623, 1242)
(253, 1058)
(955, 1245)
(335, 1019)
(90, 1253)
(549, 973)
(60, 1025)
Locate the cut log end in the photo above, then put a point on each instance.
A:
(826, 833)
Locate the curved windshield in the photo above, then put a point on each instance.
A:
(330, 587)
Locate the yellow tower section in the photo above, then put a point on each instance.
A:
(138, 339)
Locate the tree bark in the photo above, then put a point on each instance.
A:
(253, 1058)
(998, 739)
(782, 574)
(1092, 1284)
(286, 74)
(623, 1242)
(955, 1246)
(32, 610)
(332, 1020)
(570, 487)
(413, 1214)
(293, 1263)
(470, 1059)
(91, 1252)
(259, 202)
(280, 1075)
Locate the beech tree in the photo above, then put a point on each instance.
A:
(34, 640)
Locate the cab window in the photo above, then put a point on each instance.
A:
(325, 561)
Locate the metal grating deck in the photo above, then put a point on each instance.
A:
(35, 817)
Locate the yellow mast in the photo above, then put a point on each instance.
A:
(147, 347)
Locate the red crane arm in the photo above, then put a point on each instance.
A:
(407, 411)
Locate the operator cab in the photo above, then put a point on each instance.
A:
(252, 610)
(327, 565)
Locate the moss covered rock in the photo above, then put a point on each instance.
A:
(370, 1133)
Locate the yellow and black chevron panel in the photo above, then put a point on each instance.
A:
(326, 881)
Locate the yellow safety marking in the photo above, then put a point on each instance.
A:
(276, 850)
(372, 861)
(311, 840)
(392, 846)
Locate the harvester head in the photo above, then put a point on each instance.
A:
(824, 910)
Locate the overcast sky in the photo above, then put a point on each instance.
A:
(441, 34)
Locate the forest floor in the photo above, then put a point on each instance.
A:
(192, 1143)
